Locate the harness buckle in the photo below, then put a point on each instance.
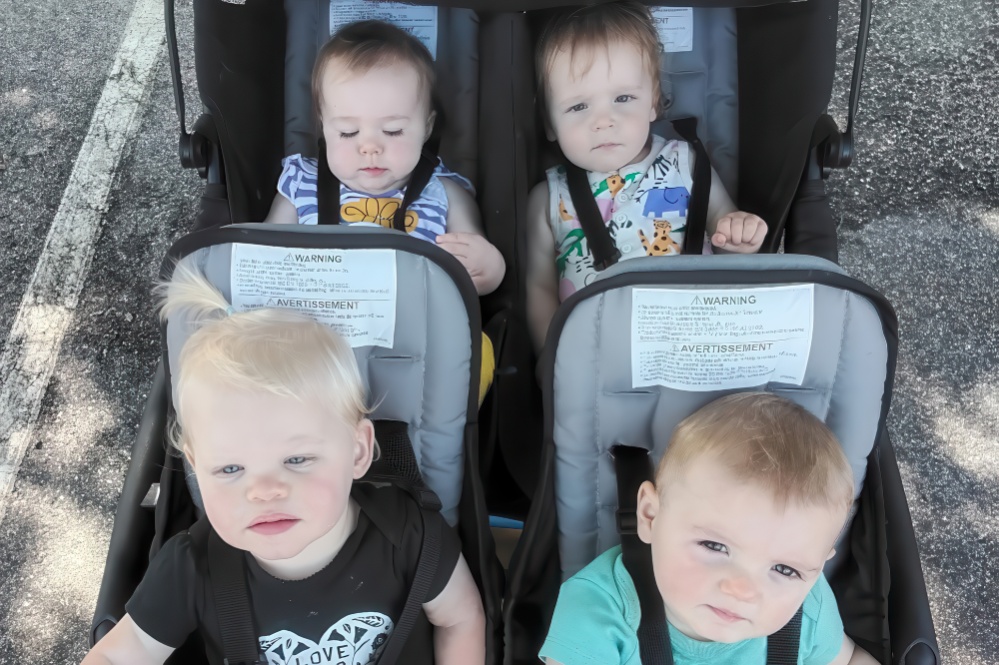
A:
(627, 522)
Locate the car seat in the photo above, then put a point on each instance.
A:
(654, 339)
(422, 381)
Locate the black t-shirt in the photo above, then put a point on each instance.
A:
(341, 615)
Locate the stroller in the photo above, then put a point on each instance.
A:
(773, 156)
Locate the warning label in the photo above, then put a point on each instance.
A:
(419, 21)
(676, 28)
(708, 340)
(352, 291)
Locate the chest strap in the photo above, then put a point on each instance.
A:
(598, 238)
(633, 467)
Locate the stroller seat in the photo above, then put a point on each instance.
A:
(416, 354)
(792, 325)
(450, 33)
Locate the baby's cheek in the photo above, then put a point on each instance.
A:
(680, 578)
(220, 509)
(408, 156)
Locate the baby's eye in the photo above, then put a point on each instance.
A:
(348, 135)
(786, 571)
(621, 99)
(578, 107)
(714, 547)
(230, 469)
(397, 132)
(298, 460)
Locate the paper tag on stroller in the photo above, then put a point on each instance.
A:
(352, 291)
(720, 339)
(419, 21)
(676, 28)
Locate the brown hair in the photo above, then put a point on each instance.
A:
(768, 441)
(365, 45)
(597, 26)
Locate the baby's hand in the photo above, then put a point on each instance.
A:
(740, 233)
(481, 259)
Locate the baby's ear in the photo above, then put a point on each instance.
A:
(431, 119)
(364, 447)
(549, 130)
(648, 508)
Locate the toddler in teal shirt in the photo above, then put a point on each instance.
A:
(747, 505)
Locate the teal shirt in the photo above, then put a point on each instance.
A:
(597, 614)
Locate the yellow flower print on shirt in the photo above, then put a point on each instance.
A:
(377, 211)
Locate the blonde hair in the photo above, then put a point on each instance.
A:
(597, 27)
(267, 350)
(364, 45)
(767, 441)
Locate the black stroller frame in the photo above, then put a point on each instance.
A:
(788, 145)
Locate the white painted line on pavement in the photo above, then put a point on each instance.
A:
(50, 301)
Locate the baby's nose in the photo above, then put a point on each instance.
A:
(604, 120)
(370, 147)
(267, 489)
(740, 587)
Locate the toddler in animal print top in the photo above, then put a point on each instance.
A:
(598, 81)
(272, 418)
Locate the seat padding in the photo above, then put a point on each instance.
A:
(423, 380)
(308, 28)
(596, 405)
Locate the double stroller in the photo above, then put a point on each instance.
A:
(757, 75)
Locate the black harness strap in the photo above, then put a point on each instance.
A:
(598, 237)
(426, 571)
(227, 578)
(697, 211)
(327, 189)
(782, 646)
(417, 182)
(633, 466)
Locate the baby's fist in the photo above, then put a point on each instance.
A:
(740, 233)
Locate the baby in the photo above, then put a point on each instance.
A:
(747, 505)
(272, 419)
(373, 85)
(599, 86)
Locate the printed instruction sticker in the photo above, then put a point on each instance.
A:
(352, 291)
(421, 22)
(720, 339)
(676, 28)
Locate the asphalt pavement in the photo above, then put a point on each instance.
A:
(919, 220)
